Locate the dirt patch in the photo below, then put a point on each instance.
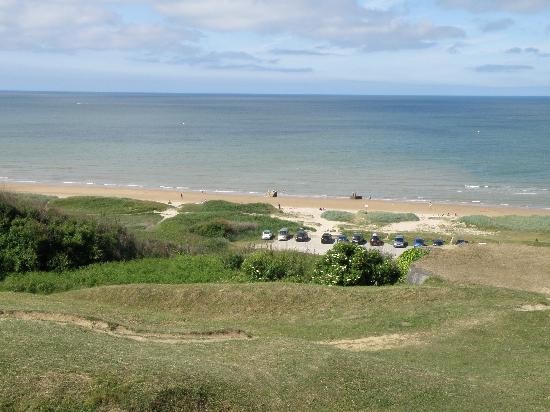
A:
(533, 308)
(376, 343)
(111, 329)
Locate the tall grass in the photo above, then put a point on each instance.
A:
(386, 218)
(106, 205)
(338, 216)
(181, 269)
(538, 224)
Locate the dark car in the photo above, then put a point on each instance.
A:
(358, 238)
(375, 240)
(438, 242)
(419, 242)
(461, 242)
(342, 238)
(399, 241)
(302, 236)
(326, 238)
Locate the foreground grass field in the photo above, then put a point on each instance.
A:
(274, 347)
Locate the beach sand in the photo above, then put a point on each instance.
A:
(286, 202)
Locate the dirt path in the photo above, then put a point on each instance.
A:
(110, 329)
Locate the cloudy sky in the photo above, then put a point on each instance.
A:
(488, 47)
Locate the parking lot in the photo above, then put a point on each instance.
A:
(315, 246)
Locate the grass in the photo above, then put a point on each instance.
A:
(539, 224)
(177, 270)
(219, 219)
(91, 205)
(338, 216)
(471, 349)
(386, 218)
(510, 266)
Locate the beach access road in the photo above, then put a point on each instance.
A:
(315, 246)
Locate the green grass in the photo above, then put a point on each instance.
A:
(539, 224)
(218, 219)
(471, 349)
(386, 218)
(181, 269)
(338, 216)
(109, 206)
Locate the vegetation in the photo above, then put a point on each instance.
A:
(35, 238)
(539, 224)
(436, 347)
(110, 206)
(338, 216)
(407, 258)
(219, 220)
(386, 218)
(347, 264)
(290, 265)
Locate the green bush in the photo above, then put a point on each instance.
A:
(407, 258)
(347, 264)
(34, 238)
(270, 265)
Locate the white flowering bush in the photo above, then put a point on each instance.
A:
(347, 264)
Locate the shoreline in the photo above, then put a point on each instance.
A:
(176, 196)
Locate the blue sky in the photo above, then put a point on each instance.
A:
(464, 47)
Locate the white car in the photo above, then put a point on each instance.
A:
(267, 235)
(283, 234)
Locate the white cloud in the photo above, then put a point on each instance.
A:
(514, 6)
(68, 25)
(340, 22)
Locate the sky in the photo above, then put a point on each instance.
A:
(433, 47)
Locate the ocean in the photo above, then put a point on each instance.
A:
(475, 150)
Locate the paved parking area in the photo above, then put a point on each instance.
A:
(315, 246)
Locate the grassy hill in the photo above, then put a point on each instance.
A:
(274, 347)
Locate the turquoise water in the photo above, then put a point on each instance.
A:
(444, 149)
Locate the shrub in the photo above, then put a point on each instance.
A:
(347, 264)
(270, 265)
(407, 258)
(33, 238)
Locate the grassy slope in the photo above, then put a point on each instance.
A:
(180, 269)
(495, 265)
(474, 354)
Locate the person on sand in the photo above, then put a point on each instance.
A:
(181, 195)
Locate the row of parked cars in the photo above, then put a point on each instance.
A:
(399, 241)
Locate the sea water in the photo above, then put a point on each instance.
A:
(475, 150)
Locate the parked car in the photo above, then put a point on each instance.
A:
(267, 235)
(399, 241)
(375, 240)
(419, 242)
(438, 242)
(302, 236)
(284, 234)
(461, 242)
(326, 238)
(342, 239)
(358, 238)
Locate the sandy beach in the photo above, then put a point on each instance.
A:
(286, 202)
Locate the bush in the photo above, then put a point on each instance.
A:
(33, 238)
(407, 258)
(270, 265)
(347, 264)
